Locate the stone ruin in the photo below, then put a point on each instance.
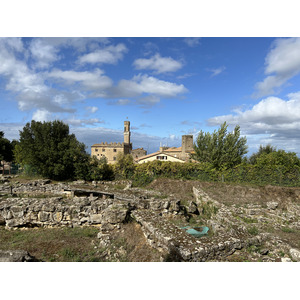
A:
(42, 204)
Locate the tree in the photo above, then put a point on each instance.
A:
(221, 149)
(262, 150)
(125, 166)
(51, 150)
(100, 169)
(6, 148)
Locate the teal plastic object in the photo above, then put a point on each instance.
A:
(201, 231)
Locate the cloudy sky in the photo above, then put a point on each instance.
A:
(166, 87)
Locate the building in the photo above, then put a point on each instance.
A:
(111, 150)
(138, 153)
(159, 155)
(180, 154)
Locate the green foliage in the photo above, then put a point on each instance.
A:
(6, 148)
(253, 230)
(100, 169)
(221, 149)
(51, 150)
(262, 150)
(125, 166)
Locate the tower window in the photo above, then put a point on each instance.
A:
(115, 150)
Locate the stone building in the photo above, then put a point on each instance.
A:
(180, 154)
(137, 153)
(111, 150)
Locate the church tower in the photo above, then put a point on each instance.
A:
(127, 144)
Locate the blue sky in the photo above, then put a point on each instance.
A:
(166, 87)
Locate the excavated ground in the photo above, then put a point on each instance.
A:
(227, 209)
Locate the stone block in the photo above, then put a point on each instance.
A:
(295, 254)
(57, 216)
(43, 216)
(96, 218)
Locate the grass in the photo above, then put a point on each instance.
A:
(253, 230)
(287, 230)
(53, 244)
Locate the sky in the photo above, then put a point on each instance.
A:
(166, 87)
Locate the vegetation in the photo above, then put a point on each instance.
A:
(50, 150)
(222, 149)
(6, 148)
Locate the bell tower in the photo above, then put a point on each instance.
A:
(127, 144)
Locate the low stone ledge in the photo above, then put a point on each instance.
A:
(15, 256)
(165, 236)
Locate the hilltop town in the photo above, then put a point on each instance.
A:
(110, 151)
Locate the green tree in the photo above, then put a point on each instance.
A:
(99, 169)
(222, 149)
(6, 148)
(51, 150)
(262, 150)
(125, 166)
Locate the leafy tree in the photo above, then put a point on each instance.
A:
(279, 158)
(50, 149)
(99, 169)
(222, 149)
(6, 148)
(262, 150)
(125, 166)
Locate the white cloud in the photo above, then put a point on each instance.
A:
(282, 63)
(44, 54)
(216, 71)
(272, 119)
(91, 109)
(150, 85)
(192, 42)
(148, 101)
(82, 122)
(158, 64)
(109, 55)
(94, 80)
(41, 115)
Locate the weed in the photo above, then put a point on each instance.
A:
(253, 230)
(287, 229)
(249, 220)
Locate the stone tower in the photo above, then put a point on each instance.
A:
(127, 144)
(187, 143)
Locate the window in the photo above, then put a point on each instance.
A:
(115, 150)
(103, 150)
(162, 157)
(96, 150)
(115, 158)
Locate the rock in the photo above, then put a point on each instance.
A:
(79, 182)
(15, 256)
(114, 214)
(43, 216)
(192, 208)
(96, 218)
(264, 251)
(286, 259)
(272, 205)
(2, 220)
(295, 254)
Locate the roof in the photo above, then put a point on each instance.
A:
(157, 153)
(173, 149)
